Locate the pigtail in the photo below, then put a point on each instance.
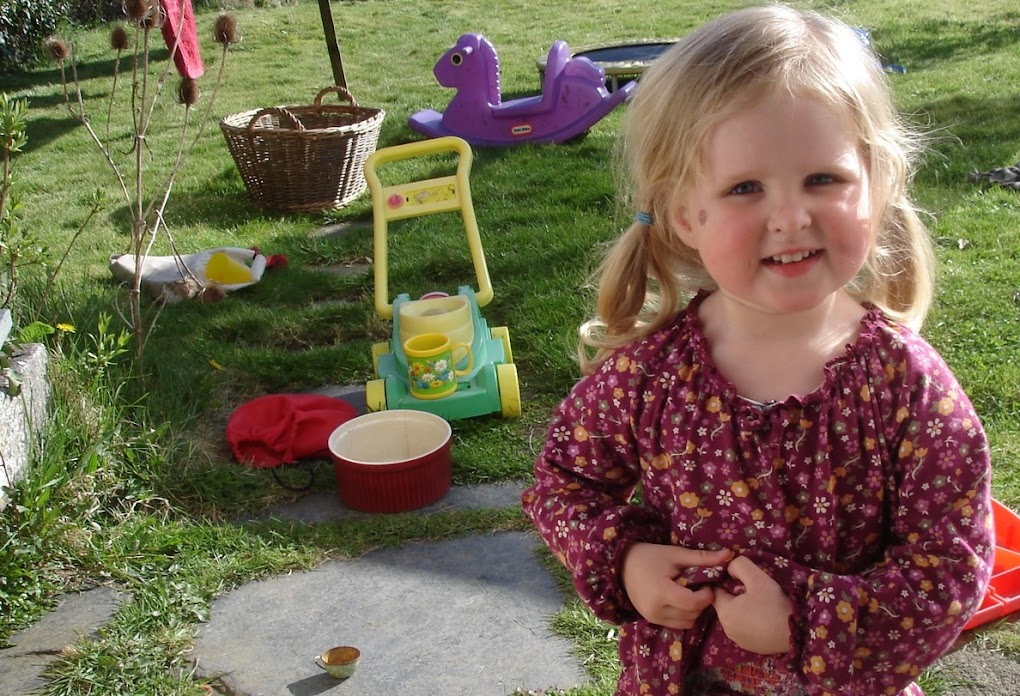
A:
(903, 271)
(899, 276)
(622, 293)
(645, 281)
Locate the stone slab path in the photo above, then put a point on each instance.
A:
(466, 616)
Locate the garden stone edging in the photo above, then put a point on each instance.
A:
(22, 416)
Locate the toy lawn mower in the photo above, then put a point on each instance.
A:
(443, 357)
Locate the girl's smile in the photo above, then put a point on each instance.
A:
(792, 263)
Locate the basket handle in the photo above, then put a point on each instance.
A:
(279, 111)
(340, 91)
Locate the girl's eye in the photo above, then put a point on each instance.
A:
(820, 179)
(744, 188)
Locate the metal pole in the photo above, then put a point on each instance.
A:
(331, 44)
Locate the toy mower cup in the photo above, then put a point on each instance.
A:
(479, 360)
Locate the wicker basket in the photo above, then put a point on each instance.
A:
(304, 158)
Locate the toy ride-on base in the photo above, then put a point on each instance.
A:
(489, 385)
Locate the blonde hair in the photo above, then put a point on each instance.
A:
(723, 67)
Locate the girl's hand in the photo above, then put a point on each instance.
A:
(649, 574)
(757, 619)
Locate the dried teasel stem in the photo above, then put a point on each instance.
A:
(119, 42)
(59, 51)
(227, 28)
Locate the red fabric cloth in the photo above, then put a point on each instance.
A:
(187, 57)
(284, 428)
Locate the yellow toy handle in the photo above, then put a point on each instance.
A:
(424, 197)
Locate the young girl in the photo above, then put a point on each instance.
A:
(814, 513)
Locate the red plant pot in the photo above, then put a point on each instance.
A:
(392, 461)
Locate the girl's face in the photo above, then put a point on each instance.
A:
(781, 216)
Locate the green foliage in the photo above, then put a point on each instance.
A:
(17, 245)
(24, 24)
(36, 332)
(90, 12)
(27, 529)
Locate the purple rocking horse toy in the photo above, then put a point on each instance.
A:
(574, 97)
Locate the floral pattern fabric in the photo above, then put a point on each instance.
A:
(867, 501)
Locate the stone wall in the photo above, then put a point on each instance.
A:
(23, 415)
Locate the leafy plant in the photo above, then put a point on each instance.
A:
(16, 245)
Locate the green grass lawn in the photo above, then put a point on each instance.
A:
(136, 481)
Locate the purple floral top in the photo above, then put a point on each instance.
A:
(866, 500)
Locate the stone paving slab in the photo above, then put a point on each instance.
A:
(35, 648)
(465, 616)
(327, 506)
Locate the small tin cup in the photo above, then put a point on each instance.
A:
(339, 662)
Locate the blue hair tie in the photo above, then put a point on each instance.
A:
(643, 217)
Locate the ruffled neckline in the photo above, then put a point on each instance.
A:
(847, 366)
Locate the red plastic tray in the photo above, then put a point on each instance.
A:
(1003, 595)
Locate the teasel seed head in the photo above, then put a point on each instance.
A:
(155, 17)
(119, 38)
(137, 10)
(188, 92)
(213, 294)
(225, 29)
(57, 48)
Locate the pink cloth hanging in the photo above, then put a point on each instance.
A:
(184, 35)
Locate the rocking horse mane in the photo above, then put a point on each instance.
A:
(491, 63)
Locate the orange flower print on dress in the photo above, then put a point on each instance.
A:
(946, 406)
(689, 500)
(676, 651)
(661, 461)
(580, 434)
(713, 405)
(845, 612)
(816, 664)
(906, 449)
